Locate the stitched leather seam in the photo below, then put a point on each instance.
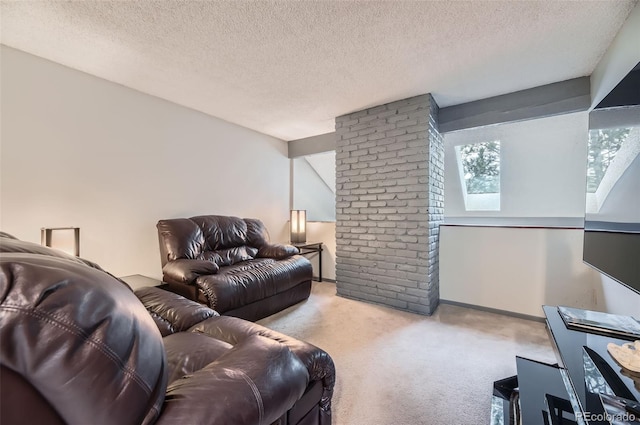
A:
(95, 343)
(256, 394)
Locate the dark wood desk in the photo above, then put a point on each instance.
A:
(311, 248)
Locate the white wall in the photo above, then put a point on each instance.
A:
(81, 151)
(618, 60)
(516, 269)
(618, 299)
(543, 169)
(543, 165)
(324, 232)
(311, 192)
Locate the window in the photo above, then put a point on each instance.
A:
(604, 144)
(479, 166)
(610, 153)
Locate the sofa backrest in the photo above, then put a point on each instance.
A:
(76, 345)
(222, 239)
(10, 243)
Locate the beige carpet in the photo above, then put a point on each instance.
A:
(400, 368)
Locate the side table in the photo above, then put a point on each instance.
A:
(310, 248)
(139, 281)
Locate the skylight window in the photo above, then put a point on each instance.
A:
(479, 166)
(604, 144)
(610, 153)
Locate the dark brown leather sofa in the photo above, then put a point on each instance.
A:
(78, 346)
(229, 264)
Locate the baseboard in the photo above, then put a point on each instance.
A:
(495, 310)
(324, 279)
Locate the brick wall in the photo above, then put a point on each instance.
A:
(389, 204)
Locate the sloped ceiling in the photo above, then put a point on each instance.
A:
(287, 68)
(324, 164)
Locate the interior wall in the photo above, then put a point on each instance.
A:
(618, 299)
(620, 58)
(324, 232)
(542, 167)
(520, 269)
(311, 193)
(81, 151)
(516, 269)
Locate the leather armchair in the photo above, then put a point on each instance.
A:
(229, 264)
(79, 346)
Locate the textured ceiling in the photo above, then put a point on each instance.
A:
(287, 68)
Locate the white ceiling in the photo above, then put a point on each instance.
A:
(287, 68)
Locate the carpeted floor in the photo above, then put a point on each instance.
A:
(401, 368)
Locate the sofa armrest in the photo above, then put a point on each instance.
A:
(186, 271)
(256, 382)
(172, 312)
(277, 251)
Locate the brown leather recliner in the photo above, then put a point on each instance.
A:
(78, 346)
(229, 264)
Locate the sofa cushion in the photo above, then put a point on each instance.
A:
(257, 233)
(277, 251)
(180, 238)
(250, 281)
(202, 237)
(258, 236)
(255, 382)
(11, 244)
(230, 256)
(222, 232)
(188, 352)
(317, 362)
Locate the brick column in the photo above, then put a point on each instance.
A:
(389, 204)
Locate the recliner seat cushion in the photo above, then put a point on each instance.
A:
(188, 352)
(261, 375)
(250, 281)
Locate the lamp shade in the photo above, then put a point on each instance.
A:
(298, 226)
(66, 239)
